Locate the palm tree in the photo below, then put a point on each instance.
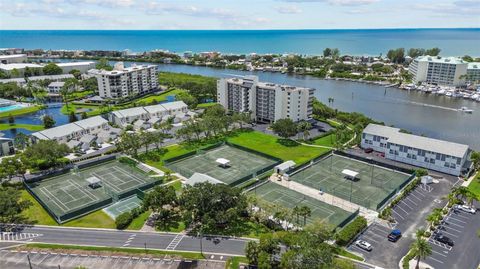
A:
(420, 233)
(305, 212)
(461, 192)
(421, 249)
(296, 211)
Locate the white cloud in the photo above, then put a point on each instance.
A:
(460, 8)
(288, 9)
(337, 2)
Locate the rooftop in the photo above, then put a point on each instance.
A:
(91, 122)
(438, 59)
(56, 84)
(75, 64)
(12, 66)
(473, 66)
(130, 112)
(420, 142)
(12, 56)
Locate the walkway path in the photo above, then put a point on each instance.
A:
(326, 147)
(369, 214)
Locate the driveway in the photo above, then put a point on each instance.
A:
(410, 215)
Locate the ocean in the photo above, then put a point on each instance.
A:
(452, 42)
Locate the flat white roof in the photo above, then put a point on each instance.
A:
(60, 131)
(350, 173)
(75, 64)
(12, 66)
(473, 66)
(93, 180)
(222, 161)
(13, 56)
(130, 112)
(285, 165)
(200, 178)
(438, 59)
(56, 84)
(394, 135)
(50, 77)
(174, 105)
(91, 122)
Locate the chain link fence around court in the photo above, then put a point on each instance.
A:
(372, 188)
(244, 163)
(69, 195)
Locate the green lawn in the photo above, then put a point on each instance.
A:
(116, 251)
(475, 186)
(39, 215)
(327, 141)
(171, 151)
(271, 145)
(204, 105)
(79, 95)
(158, 98)
(95, 109)
(20, 111)
(139, 221)
(29, 127)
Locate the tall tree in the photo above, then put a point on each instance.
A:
(48, 121)
(160, 197)
(12, 206)
(52, 69)
(304, 127)
(284, 128)
(433, 52)
(12, 166)
(45, 154)
(421, 249)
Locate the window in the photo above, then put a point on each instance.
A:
(459, 160)
(414, 156)
(443, 157)
(391, 151)
(363, 135)
(437, 156)
(452, 166)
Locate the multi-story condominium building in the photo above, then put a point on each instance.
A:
(473, 73)
(267, 102)
(126, 81)
(55, 87)
(448, 71)
(443, 156)
(6, 147)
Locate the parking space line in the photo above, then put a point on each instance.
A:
(360, 249)
(450, 217)
(411, 193)
(416, 190)
(453, 229)
(378, 230)
(408, 198)
(398, 205)
(369, 236)
(393, 211)
(451, 223)
(443, 231)
(459, 215)
(430, 257)
(405, 203)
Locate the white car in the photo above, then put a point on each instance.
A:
(467, 209)
(363, 245)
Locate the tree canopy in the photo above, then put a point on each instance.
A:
(12, 206)
(52, 69)
(285, 128)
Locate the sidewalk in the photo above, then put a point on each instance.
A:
(369, 214)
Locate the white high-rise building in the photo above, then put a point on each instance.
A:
(473, 73)
(268, 102)
(126, 81)
(449, 71)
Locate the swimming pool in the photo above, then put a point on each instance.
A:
(12, 107)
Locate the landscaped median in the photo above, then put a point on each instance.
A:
(117, 251)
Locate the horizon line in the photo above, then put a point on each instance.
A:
(265, 29)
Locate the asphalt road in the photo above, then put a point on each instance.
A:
(223, 246)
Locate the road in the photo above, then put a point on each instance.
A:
(225, 246)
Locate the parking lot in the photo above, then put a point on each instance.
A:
(410, 215)
(462, 228)
(20, 259)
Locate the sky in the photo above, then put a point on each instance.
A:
(237, 14)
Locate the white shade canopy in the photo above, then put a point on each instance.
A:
(223, 161)
(350, 173)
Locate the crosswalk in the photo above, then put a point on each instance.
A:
(15, 236)
(174, 243)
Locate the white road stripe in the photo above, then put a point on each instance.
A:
(429, 257)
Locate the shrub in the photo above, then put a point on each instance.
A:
(407, 259)
(348, 233)
(128, 161)
(123, 220)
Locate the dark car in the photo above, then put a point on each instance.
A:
(368, 150)
(443, 239)
(394, 235)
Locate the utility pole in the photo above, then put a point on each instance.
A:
(29, 263)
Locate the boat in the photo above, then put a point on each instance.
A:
(466, 110)
(449, 94)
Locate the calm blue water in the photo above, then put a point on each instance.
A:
(372, 42)
(9, 108)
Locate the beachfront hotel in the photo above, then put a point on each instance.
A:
(433, 154)
(126, 81)
(268, 102)
(447, 71)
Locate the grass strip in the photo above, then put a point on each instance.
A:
(29, 127)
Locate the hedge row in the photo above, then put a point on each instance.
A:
(387, 211)
(123, 220)
(407, 259)
(127, 160)
(348, 233)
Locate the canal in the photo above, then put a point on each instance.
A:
(420, 113)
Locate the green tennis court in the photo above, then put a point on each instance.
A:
(115, 210)
(242, 164)
(279, 195)
(369, 188)
(70, 195)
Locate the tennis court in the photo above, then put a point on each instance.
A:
(369, 188)
(70, 195)
(242, 164)
(279, 195)
(115, 210)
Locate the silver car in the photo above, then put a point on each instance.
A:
(465, 208)
(363, 245)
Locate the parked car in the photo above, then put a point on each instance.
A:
(465, 208)
(394, 235)
(443, 239)
(363, 245)
(368, 150)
